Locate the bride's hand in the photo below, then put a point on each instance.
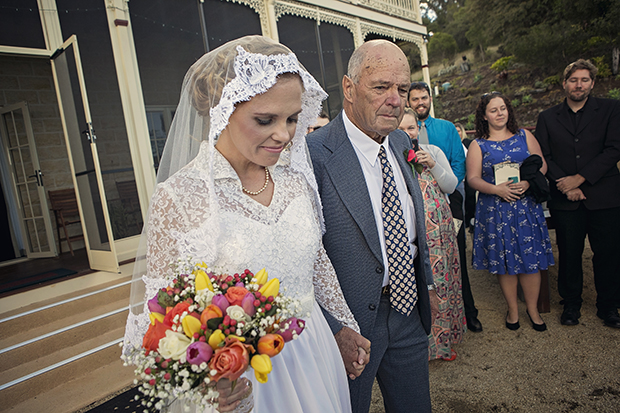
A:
(230, 398)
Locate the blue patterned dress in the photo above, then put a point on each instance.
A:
(509, 237)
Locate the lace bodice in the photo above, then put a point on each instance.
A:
(284, 237)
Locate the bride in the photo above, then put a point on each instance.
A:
(236, 191)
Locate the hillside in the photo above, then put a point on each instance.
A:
(528, 88)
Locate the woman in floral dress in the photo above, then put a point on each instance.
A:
(437, 180)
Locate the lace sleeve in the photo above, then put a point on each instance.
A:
(328, 292)
(165, 219)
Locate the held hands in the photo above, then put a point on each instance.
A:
(355, 351)
(575, 195)
(425, 158)
(230, 398)
(568, 183)
(510, 192)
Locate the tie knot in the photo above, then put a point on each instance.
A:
(382, 154)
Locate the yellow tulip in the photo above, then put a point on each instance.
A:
(242, 339)
(190, 325)
(261, 363)
(216, 338)
(261, 277)
(202, 281)
(271, 288)
(156, 316)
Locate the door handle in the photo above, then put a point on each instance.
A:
(39, 176)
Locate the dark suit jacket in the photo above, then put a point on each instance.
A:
(351, 239)
(592, 151)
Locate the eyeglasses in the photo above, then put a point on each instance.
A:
(419, 85)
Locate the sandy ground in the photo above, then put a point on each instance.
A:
(564, 369)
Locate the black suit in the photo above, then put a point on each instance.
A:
(589, 147)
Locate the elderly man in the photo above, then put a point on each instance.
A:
(580, 139)
(375, 234)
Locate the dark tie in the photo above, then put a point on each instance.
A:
(403, 293)
(423, 135)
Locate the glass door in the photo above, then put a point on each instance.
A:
(27, 179)
(81, 142)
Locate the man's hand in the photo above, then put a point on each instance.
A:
(354, 349)
(575, 195)
(569, 183)
(434, 304)
(230, 398)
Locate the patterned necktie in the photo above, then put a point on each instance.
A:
(423, 135)
(403, 292)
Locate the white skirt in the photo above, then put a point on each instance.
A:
(308, 375)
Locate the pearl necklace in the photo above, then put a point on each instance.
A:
(260, 190)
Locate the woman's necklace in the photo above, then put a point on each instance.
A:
(260, 190)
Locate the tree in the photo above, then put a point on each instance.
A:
(442, 46)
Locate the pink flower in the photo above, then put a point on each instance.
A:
(248, 304)
(411, 156)
(154, 306)
(294, 325)
(220, 301)
(199, 352)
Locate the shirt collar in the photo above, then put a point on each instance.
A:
(362, 142)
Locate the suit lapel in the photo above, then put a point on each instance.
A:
(347, 176)
(590, 109)
(564, 118)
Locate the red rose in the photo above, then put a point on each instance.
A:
(155, 333)
(235, 295)
(230, 361)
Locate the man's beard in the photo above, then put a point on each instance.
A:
(579, 98)
(423, 115)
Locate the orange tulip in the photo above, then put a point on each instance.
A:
(212, 311)
(270, 344)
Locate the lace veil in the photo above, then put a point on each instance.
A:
(232, 73)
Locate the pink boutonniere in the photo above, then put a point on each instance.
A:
(412, 159)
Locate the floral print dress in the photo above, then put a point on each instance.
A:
(509, 237)
(448, 327)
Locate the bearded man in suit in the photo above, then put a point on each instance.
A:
(375, 231)
(580, 140)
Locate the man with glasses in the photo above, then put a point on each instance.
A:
(580, 140)
(441, 133)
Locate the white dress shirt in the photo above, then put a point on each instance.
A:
(367, 151)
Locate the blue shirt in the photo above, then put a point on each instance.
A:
(443, 133)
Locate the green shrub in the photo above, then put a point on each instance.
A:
(502, 63)
(553, 80)
(515, 77)
(527, 99)
(614, 94)
(540, 85)
(602, 66)
(477, 77)
(515, 103)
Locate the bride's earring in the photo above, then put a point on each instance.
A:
(288, 145)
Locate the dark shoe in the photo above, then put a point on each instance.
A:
(512, 326)
(537, 327)
(570, 317)
(610, 318)
(474, 325)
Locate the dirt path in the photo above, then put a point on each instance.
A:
(564, 369)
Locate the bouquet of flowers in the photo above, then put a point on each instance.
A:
(205, 327)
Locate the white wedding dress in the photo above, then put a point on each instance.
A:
(285, 238)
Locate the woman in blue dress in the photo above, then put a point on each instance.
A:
(510, 234)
